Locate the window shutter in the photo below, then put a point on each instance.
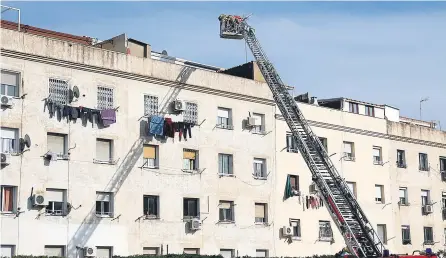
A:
(260, 211)
(402, 193)
(189, 154)
(8, 198)
(376, 152)
(103, 252)
(222, 112)
(54, 251)
(149, 152)
(10, 78)
(54, 195)
(225, 205)
(56, 143)
(103, 150)
(104, 197)
(347, 147)
(7, 133)
(378, 191)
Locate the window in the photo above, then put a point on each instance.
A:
(352, 187)
(261, 253)
(377, 155)
(9, 142)
(8, 194)
(151, 251)
(191, 250)
(369, 111)
(294, 182)
(151, 206)
(105, 98)
(291, 145)
(400, 158)
(379, 193)
(190, 115)
(190, 160)
(225, 164)
(57, 143)
(104, 150)
(226, 211)
(260, 123)
(55, 250)
(425, 197)
(227, 253)
(424, 164)
(382, 232)
(349, 151)
(224, 118)
(10, 83)
(150, 105)
(442, 164)
(325, 232)
(59, 91)
(324, 142)
(104, 252)
(353, 108)
(403, 196)
(259, 168)
(428, 235)
(104, 204)
(7, 251)
(150, 156)
(443, 206)
(57, 202)
(191, 208)
(295, 224)
(405, 235)
(260, 213)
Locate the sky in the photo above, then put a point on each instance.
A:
(380, 52)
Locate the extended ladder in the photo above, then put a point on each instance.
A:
(360, 237)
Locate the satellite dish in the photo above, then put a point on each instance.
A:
(76, 91)
(164, 52)
(21, 144)
(70, 96)
(27, 141)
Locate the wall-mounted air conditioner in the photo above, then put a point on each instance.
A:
(40, 200)
(179, 105)
(195, 224)
(89, 251)
(251, 121)
(5, 158)
(312, 188)
(6, 101)
(287, 231)
(428, 209)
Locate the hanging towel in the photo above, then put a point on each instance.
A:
(108, 116)
(156, 125)
(187, 128)
(288, 191)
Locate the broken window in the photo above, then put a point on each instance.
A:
(10, 82)
(59, 91)
(226, 211)
(57, 202)
(105, 98)
(104, 204)
(424, 164)
(150, 105)
(151, 206)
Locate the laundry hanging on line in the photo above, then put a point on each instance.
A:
(160, 126)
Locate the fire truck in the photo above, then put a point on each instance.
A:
(359, 235)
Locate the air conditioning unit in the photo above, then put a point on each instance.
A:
(179, 105)
(251, 121)
(195, 224)
(6, 101)
(312, 188)
(287, 231)
(40, 200)
(427, 209)
(89, 251)
(5, 158)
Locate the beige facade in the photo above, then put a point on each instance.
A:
(252, 203)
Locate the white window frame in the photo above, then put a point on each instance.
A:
(405, 230)
(401, 163)
(190, 165)
(297, 229)
(349, 156)
(61, 247)
(8, 144)
(11, 253)
(105, 97)
(325, 231)
(146, 201)
(151, 251)
(384, 232)
(222, 210)
(59, 91)
(259, 129)
(189, 214)
(225, 164)
(259, 168)
(14, 199)
(150, 162)
(423, 161)
(379, 198)
(64, 154)
(264, 219)
(291, 145)
(403, 200)
(224, 118)
(377, 160)
(5, 86)
(103, 212)
(50, 209)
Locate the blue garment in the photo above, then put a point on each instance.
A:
(156, 125)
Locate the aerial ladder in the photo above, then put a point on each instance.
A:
(360, 237)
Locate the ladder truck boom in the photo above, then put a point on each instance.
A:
(359, 235)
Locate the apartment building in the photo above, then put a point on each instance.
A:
(76, 183)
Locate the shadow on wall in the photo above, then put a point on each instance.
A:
(173, 92)
(90, 222)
